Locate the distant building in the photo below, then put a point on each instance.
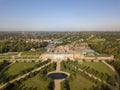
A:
(32, 49)
(38, 40)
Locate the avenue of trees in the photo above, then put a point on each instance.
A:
(8, 78)
(42, 74)
(68, 66)
(103, 76)
(4, 64)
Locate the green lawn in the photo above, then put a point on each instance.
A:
(28, 57)
(34, 83)
(8, 55)
(16, 68)
(31, 54)
(5, 57)
(80, 83)
(35, 53)
(99, 66)
(13, 53)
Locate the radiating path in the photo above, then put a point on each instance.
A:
(96, 78)
(23, 76)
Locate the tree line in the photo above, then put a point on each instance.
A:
(19, 46)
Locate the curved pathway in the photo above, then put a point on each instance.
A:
(116, 73)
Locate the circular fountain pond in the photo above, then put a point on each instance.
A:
(57, 75)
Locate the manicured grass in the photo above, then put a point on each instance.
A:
(13, 53)
(8, 55)
(28, 57)
(30, 53)
(5, 57)
(16, 68)
(36, 82)
(80, 83)
(36, 53)
(99, 66)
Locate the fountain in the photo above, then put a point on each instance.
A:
(57, 75)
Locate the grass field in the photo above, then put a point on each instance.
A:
(35, 53)
(31, 54)
(5, 57)
(24, 55)
(13, 53)
(28, 57)
(99, 66)
(16, 68)
(80, 83)
(34, 83)
(8, 55)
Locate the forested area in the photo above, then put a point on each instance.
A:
(19, 46)
(111, 46)
(16, 41)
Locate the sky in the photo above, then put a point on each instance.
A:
(59, 15)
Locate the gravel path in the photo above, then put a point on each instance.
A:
(57, 82)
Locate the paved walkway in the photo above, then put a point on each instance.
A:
(57, 82)
(23, 76)
(58, 66)
(19, 54)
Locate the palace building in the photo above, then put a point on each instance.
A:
(73, 53)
